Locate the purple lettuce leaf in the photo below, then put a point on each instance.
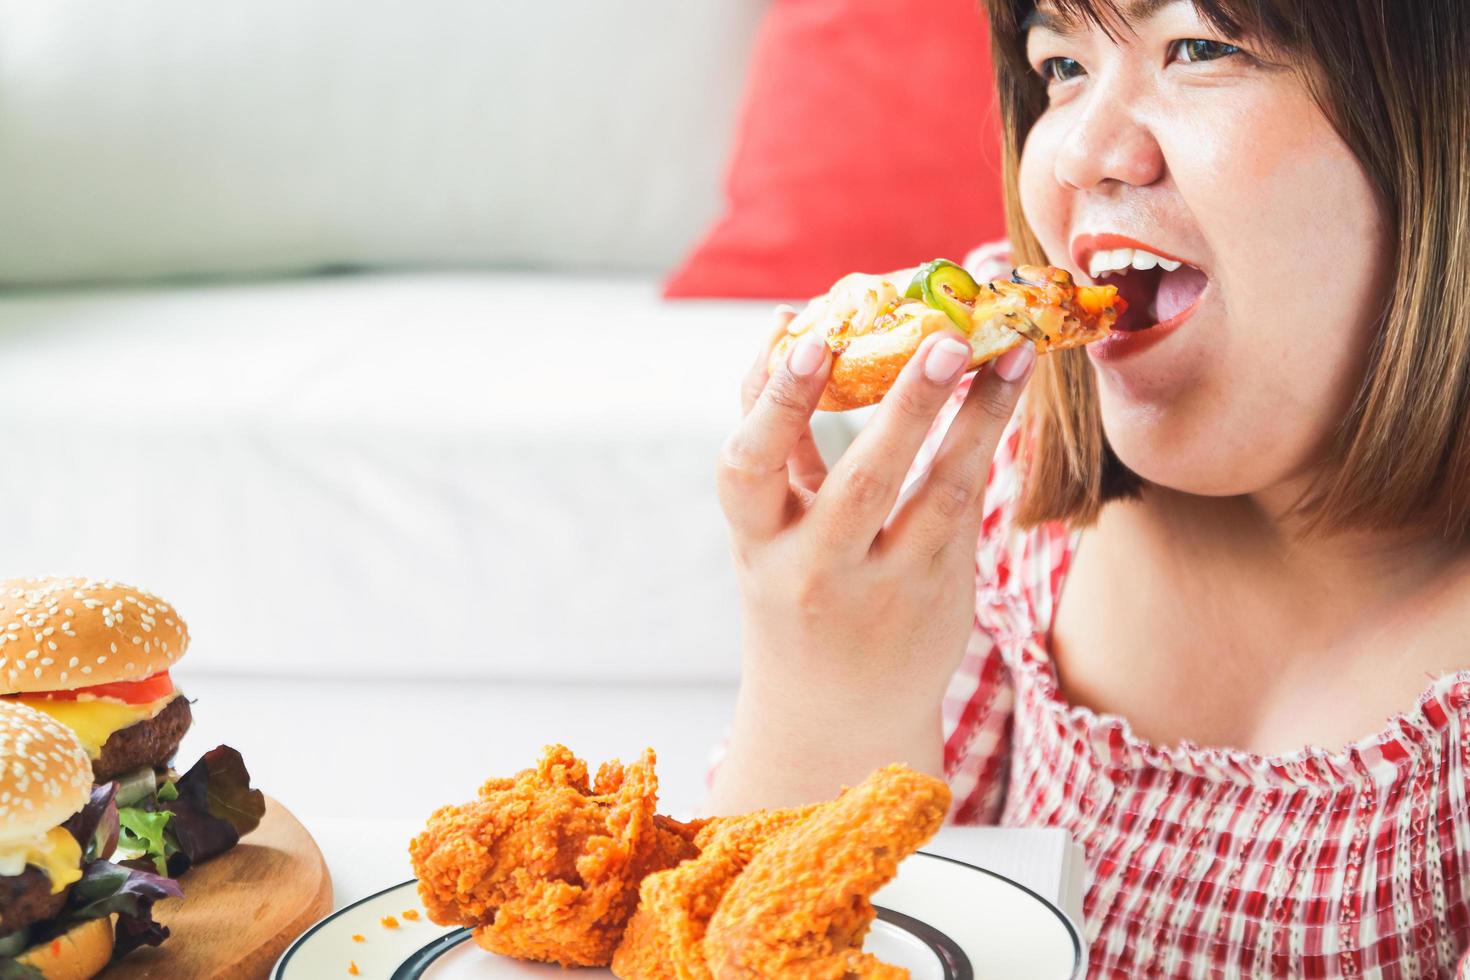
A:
(214, 809)
(107, 889)
(95, 825)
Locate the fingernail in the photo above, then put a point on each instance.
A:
(946, 360)
(1015, 363)
(807, 356)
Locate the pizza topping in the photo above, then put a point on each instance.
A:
(856, 302)
(1041, 303)
(947, 288)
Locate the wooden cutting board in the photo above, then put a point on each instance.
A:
(240, 910)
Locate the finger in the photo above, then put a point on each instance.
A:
(864, 484)
(807, 468)
(751, 476)
(755, 378)
(946, 505)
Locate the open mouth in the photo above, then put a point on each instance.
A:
(1157, 289)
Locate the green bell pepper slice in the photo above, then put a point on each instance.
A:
(946, 287)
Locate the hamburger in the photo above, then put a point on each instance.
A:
(95, 655)
(58, 891)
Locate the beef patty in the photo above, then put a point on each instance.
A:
(26, 898)
(146, 743)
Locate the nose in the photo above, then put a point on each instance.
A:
(1108, 142)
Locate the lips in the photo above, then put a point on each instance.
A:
(1157, 285)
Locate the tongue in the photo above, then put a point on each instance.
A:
(1177, 292)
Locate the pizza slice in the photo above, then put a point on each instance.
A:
(873, 325)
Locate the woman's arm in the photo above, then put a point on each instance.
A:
(784, 752)
(856, 604)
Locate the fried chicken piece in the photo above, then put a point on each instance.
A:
(800, 907)
(665, 937)
(545, 866)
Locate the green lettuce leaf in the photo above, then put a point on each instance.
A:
(12, 969)
(143, 835)
(12, 946)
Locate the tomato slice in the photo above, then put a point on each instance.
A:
(133, 692)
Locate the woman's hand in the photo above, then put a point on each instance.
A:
(856, 605)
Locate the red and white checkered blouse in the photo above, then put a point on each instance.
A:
(1207, 862)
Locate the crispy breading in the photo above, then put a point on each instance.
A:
(800, 907)
(551, 866)
(545, 866)
(665, 937)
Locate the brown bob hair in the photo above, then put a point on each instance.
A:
(1391, 77)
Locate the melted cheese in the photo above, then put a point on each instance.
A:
(95, 721)
(57, 854)
(855, 301)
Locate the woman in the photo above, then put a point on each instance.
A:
(1218, 622)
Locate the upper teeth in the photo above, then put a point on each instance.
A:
(1105, 261)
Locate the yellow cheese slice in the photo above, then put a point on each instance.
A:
(95, 721)
(57, 854)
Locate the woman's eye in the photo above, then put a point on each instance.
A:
(1198, 49)
(1060, 70)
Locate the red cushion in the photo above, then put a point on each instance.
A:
(868, 142)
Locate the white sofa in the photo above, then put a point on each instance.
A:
(504, 476)
(336, 322)
(486, 450)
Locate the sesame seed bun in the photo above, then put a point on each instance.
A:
(45, 775)
(59, 634)
(80, 953)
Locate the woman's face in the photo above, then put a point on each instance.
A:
(1238, 364)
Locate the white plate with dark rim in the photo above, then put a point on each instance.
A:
(941, 918)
